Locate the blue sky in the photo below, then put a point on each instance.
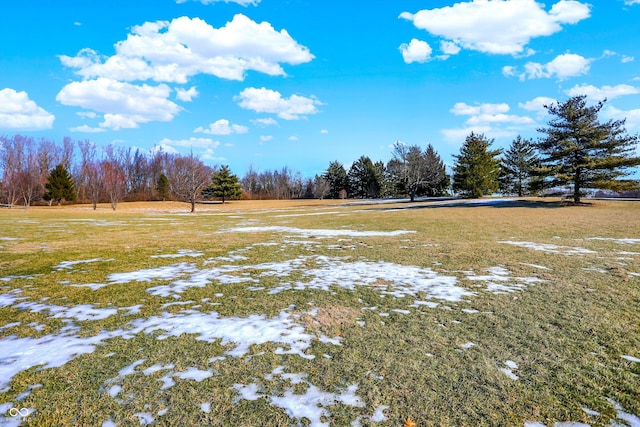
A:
(269, 83)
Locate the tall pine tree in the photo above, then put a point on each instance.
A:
(336, 176)
(224, 184)
(477, 168)
(581, 152)
(517, 168)
(59, 185)
(436, 178)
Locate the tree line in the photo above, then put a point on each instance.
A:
(576, 150)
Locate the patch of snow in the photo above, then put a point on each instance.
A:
(590, 412)
(114, 390)
(109, 423)
(147, 275)
(541, 267)
(205, 407)
(67, 265)
(499, 280)
(194, 374)
(468, 345)
(378, 415)
(397, 310)
(509, 373)
(322, 233)
(631, 358)
(511, 364)
(130, 369)
(181, 253)
(156, 368)
(469, 310)
(167, 381)
(79, 312)
(624, 241)
(549, 248)
(145, 418)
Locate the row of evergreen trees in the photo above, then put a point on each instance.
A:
(577, 150)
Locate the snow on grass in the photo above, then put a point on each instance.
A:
(468, 345)
(205, 407)
(67, 265)
(81, 312)
(322, 233)
(541, 267)
(631, 358)
(549, 248)
(147, 275)
(49, 351)
(378, 415)
(243, 332)
(312, 404)
(499, 280)
(145, 418)
(181, 253)
(510, 367)
(625, 241)
(194, 374)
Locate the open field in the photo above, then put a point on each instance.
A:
(517, 313)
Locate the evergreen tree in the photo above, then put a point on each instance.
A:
(163, 187)
(580, 151)
(517, 168)
(337, 178)
(436, 181)
(364, 179)
(224, 184)
(60, 185)
(477, 168)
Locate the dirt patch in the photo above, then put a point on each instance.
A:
(330, 319)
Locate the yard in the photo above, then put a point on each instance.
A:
(493, 312)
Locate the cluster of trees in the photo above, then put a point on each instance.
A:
(32, 171)
(576, 150)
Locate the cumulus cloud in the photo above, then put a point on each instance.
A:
(192, 142)
(124, 105)
(632, 117)
(222, 127)
(173, 51)
(561, 67)
(599, 93)
(18, 112)
(488, 119)
(415, 51)
(266, 121)
(265, 100)
(537, 105)
(87, 129)
(186, 95)
(449, 48)
(498, 26)
(265, 138)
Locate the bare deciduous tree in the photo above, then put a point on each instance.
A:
(188, 177)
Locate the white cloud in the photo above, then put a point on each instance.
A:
(18, 112)
(265, 138)
(488, 119)
(206, 143)
(632, 116)
(87, 114)
(415, 51)
(163, 148)
(625, 59)
(186, 95)
(265, 100)
(293, 138)
(561, 67)
(87, 129)
(240, 2)
(267, 121)
(174, 51)
(599, 93)
(125, 105)
(324, 131)
(498, 26)
(537, 105)
(630, 2)
(222, 127)
(449, 48)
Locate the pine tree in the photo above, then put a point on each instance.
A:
(477, 168)
(337, 178)
(59, 185)
(224, 184)
(580, 151)
(436, 179)
(163, 187)
(517, 168)
(363, 179)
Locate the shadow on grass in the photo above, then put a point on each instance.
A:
(491, 203)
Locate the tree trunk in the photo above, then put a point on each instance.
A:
(193, 206)
(576, 188)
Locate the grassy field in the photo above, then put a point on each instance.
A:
(519, 313)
